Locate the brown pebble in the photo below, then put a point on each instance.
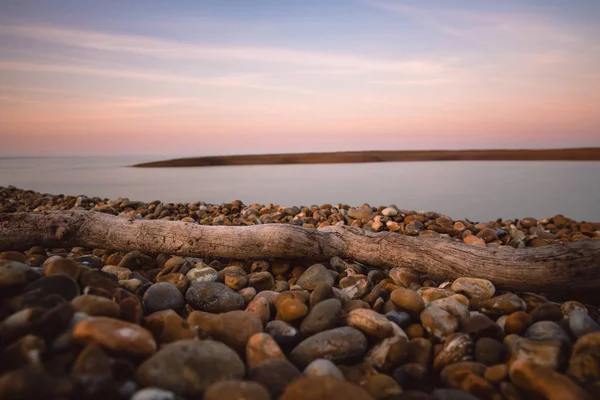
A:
(116, 335)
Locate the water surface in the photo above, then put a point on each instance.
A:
(476, 190)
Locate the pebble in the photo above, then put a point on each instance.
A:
(96, 306)
(323, 367)
(153, 394)
(213, 297)
(167, 326)
(204, 274)
(323, 316)
(236, 390)
(407, 300)
(275, 374)
(261, 346)
(581, 324)
(324, 388)
(474, 288)
(339, 345)
(234, 328)
(438, 322)
(163, 296)
(116, 335)
(546, 382)
(120, 272)
(64, 266)
(388, 354)
(314, 275)
(189, 367)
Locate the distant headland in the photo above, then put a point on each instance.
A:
(570, 154)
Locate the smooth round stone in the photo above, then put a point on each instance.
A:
(567, 307)
(581, 324)
(291, 309)
(213, 297)
(96, 306)
(381, 386)
(324, 388)
(503, 305)
(457, 347)
(489, 351)
(451, 305)
(546, 312)
(167, 326)
(400, 318)
(452, 394)
(234, 328)
(322, 291)
(136, 260)
(547, 330)
(236, 390)
(480, 325)
(388, 354)
(402, 276)
(261, 281)
(546, 382)
(260, 347)
(517, 323)
(275, 374)
(370, 322)
(120, 272)
(261, 307)
(339, 345)
(189, 367)
(163, 296)
(389, 212)
(547, 353)
(407, 300)
(153, 394)
(13, 273)
(205, 274)
(283, 332)
(360, 213)
(474, 288)
(323, 316)
(438, 322)
(116, 335)
(323, 367)
(61, 285)
(64, 266)
(314, 275)
(453, 374)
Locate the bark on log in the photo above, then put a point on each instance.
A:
(558, 267)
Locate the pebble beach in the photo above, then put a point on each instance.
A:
(82, 323)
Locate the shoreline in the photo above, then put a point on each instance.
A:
(345, 157)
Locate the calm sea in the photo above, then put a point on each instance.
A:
(480, 191)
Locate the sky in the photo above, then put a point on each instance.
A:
(187, 77)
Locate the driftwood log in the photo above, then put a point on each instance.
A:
(560, 267)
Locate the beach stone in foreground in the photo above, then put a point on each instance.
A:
(213, 297)
(163, 296)
(324, 388)
(314, 275)
(236, 390)
(339, 345)
(189, 367)
(116, 335)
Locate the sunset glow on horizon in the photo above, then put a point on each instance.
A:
(236, 77)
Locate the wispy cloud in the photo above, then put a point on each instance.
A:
(166, 49)
(415, 82)
(227, 81)
(478, 26)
